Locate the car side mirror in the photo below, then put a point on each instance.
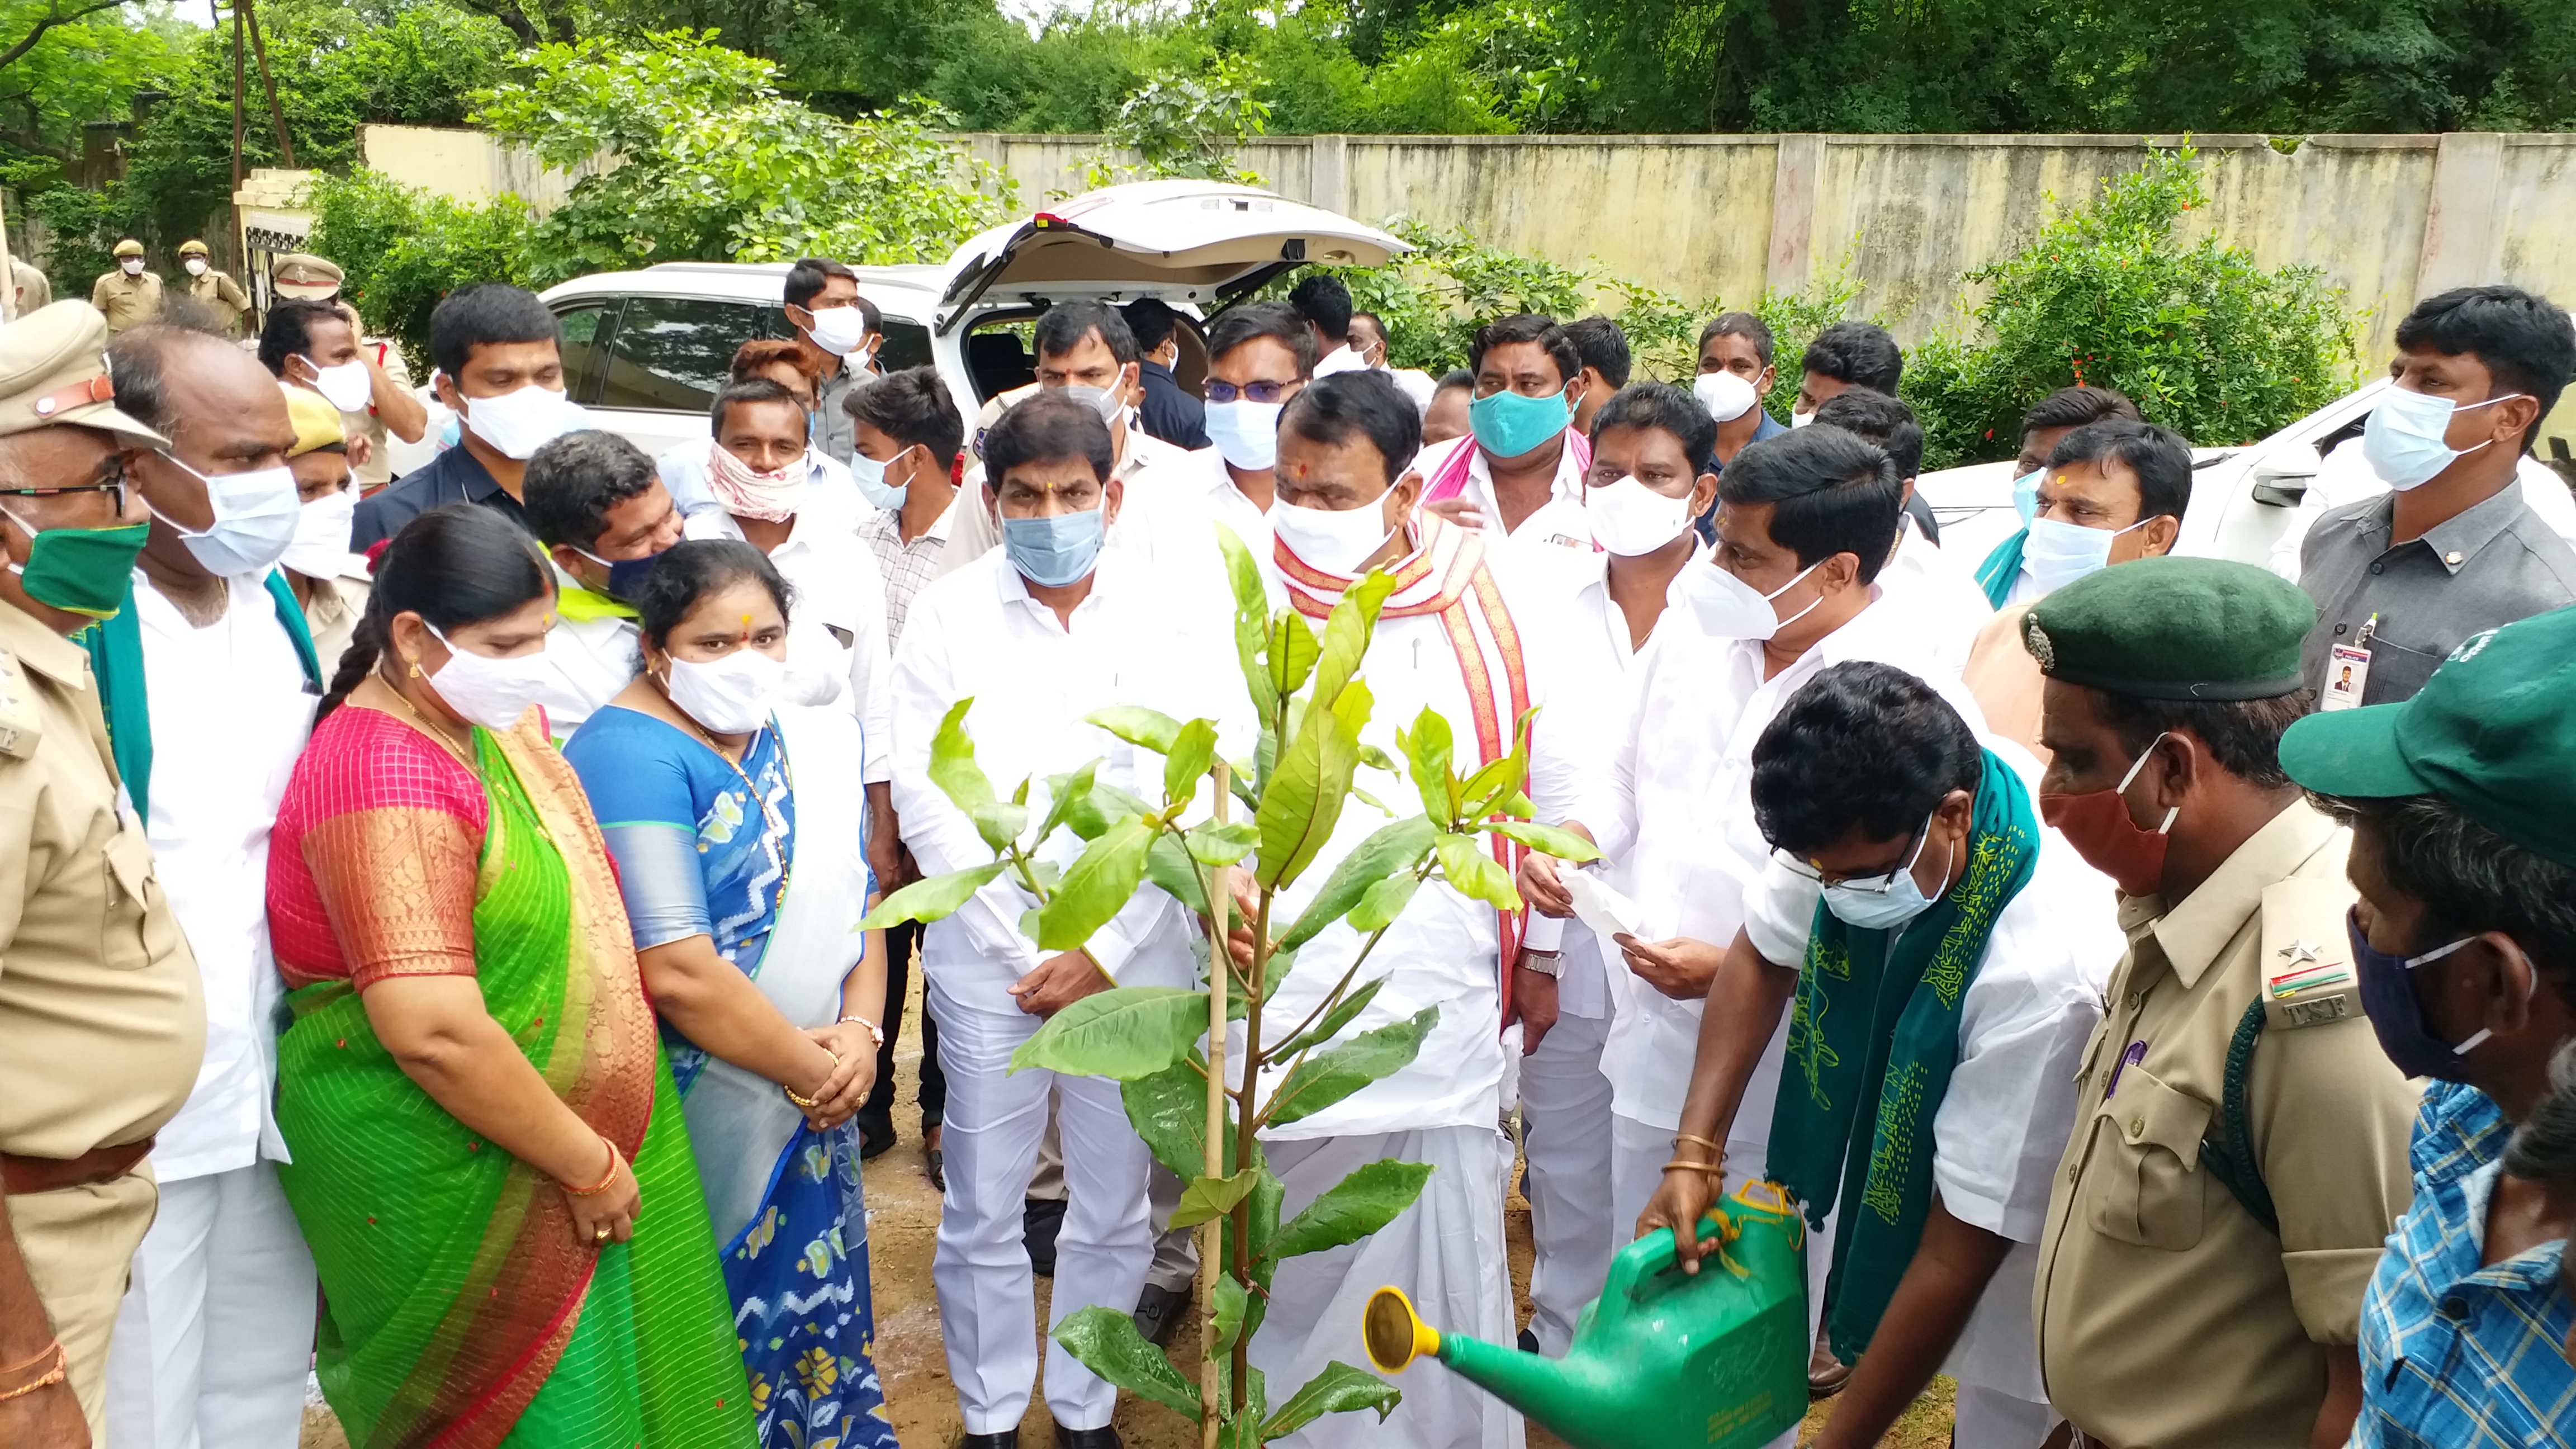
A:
(2281, 477)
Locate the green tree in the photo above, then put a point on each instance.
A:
(403, 250)
(1201, 1108)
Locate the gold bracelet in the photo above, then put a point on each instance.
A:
(616, 1160)
(808, 1103)
(61, 1370)
(1693, 1166)
(31, 1360)
(1717, 1147)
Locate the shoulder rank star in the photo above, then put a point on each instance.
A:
(2297, 951)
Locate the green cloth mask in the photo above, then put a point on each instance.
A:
(1873, 1037)
(81, 570)
(1508, 424)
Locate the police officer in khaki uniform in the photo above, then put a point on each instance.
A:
(391, 407)
(2240, 1143)
(211, 287)
(102, 1021)
(128, 296)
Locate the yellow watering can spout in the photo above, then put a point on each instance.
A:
(1396, 1334)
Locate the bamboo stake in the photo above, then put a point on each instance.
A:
(1220, 968)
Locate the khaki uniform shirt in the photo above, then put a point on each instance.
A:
(126, 301)
(379, 469)
(35, 290)
(2167, 1315)
(102, 1015)
(220, 292)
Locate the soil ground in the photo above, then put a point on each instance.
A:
(903, 1219)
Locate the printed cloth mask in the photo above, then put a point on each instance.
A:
(1057, 549)
(1246, 433)
(488, 691)
(2026, 495)
(732, 695)
(1507, 424)
(1109, 402)
(2057, 554)
(839, 330)
(2097, 824)
(1629, 518)
(2404, 439)
(870, 474)
(83, 571)
(519, 423)
(256, 514)
(320, 547)
(196, 266)
(2388, 998)
(625, 575)
(133, 266)
(1728, 608)
(1884, 908)
(1338, 541)
(772, 496)
(346, 387)
(1726, 396)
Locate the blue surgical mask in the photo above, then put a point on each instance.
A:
(625, 575)
(1246, 433)
(1507, 424)
(2026, 495)
(869, 474)
(2057, 554)
(1055, 550)
(1873, 907)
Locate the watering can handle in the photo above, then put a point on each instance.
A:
(1652, 1254)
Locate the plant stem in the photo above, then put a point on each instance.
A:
(1245, 1126)
(1220, 967)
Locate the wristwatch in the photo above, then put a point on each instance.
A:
(1545, 963)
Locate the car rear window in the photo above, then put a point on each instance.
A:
(670, 354)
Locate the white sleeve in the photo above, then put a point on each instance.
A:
(2004, 1124)
(1780, 913)
(934, 829)
(870, 663)
(1605, 789)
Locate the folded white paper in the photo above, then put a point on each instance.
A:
(1598, 905)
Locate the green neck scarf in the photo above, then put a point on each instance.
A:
(1879, 1024)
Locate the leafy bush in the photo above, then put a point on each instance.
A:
(2204, 340)
(402, 250)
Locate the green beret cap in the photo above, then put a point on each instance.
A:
(2173, 628)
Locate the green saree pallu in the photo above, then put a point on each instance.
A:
(463, 1306)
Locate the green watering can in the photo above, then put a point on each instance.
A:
(1663, 1359)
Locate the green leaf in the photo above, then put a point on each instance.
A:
(1246, 782)
(1227, 1301)
(1346, 634)
(1105, 1341)
(1169, 1110)
(952, 762)
(1251, 620)
(1095, 887)
(1545, 839)
(1292, 654)
(1168, 864)
(1357, 1206)
(1485, 790)
(1329, 1076)
(1384, 902)
(1390, 849)
(1000, 823)
(931, 899)
(1371, 801)
(1091, 815)
(1192, 751)
(1123, 1033)
(1339, 1389)
(1474, 874)
(1222, 844)
(1304, 798)
(1330, 1025)
(1147, 729)
(1377, 759)
(1428, 746)
(1208, 1197)
(1243, 1430)
(1242, 575)
(1265, 1199)
(1064, 793)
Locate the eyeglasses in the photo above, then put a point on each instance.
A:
(1260, 392)
(116, 485)
(1879, 885)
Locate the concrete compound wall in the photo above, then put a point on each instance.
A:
(2388, 218)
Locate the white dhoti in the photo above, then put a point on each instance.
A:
(1992, 1419)
(1565, 1134)
(1446, 1252)
(215, 1334)
(987, 1296)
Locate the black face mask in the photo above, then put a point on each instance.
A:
(2388, 996)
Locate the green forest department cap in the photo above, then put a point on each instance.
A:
(2173, 628)
(2493, 732)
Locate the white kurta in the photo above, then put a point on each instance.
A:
(1940, 592)
(1559, 523)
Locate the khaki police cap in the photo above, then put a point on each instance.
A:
(192, 248)
(129, 248)
(53, 369)
(305, 276)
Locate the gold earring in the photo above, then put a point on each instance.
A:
(415, 669)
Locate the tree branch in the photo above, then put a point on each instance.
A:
(52, 18)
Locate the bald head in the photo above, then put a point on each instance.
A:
(219, 408)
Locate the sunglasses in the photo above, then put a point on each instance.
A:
(1260, 392)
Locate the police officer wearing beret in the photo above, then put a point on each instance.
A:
(2240, 1142)
(128, 296)
(102, 1018)
(220, 294)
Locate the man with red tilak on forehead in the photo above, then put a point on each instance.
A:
(1446, 641)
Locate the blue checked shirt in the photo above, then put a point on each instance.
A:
(2455, 1355)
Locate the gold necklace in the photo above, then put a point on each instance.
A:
(445, 740)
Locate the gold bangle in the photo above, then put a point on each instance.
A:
(1692, 1166)
(60, 1371)
(808, 1103)
(616, 1160)
(1717, 1147)
(876, 1033)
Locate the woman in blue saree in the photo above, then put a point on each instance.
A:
(738, 825)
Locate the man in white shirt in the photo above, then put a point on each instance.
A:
(1518, 474)
(216, 1328)
(1324, 300)
(1909, 859)
(1368, 339)
(1652, 473)
(2005, 574)
(1260, 355)
(595, 503)
(1926, 581)
(1804, 523)
(1446, 641)
(1039, 634)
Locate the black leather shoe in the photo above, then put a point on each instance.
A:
(1101, 1438)
(1040, 1218)
(1528, 1341)
(1159, 1311)
(1007, 1439)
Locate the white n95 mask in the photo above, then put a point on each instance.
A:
(1726, 396)
(1629, 518)
(486, 690)
(255, 519)
(1336, 541)
(732, 695)
(1728, 608)
(320, 547)
(839, 330)
(346, 387)
(519, 423)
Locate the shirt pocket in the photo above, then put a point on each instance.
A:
(2146, 1180)
(136, 928)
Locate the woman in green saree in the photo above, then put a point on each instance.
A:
(473, 1087)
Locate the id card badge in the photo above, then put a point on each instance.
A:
(2347, 675)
